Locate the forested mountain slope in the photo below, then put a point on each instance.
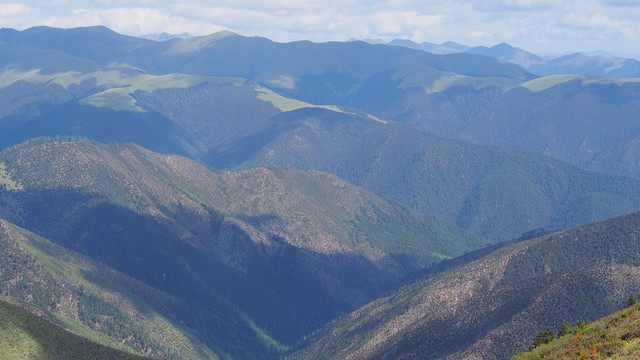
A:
(588, 121)
(497, 304)
(497, 193)
(276, 252)
(88, 298)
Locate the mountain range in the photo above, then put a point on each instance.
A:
(576, 63)
(233, 197)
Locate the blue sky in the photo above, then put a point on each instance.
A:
(541, 26)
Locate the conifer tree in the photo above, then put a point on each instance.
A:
(543, 337)
(631, 301)
(565, 329)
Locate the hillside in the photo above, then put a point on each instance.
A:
(496, 193)
(614, 337)
(341, 170)
(497, 304)
(88, 298)
(28, 337)
(231, 246)
(591, 122)
(235, 123)
(197, 113)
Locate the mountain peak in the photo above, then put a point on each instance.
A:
(503, 46)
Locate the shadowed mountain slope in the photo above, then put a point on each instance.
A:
(90, 299)
(231, 122)
(586, 121)
(278, 253)
(495, 305)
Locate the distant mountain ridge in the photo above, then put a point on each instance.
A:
(164, 36)
(571, 64)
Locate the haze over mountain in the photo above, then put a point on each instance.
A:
(569, 64)
(468, 97)
(338, 172)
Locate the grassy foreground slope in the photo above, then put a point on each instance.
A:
(614, 337)
(495, 305)
(29, 337)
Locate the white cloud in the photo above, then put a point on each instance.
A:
(9, 10)
(590, 21)
(478, 33)
(621, 3)
(513, 5)
(136, 21)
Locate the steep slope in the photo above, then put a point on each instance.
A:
(277, 253)
(175, 113)
(592, 122)
(26, 336)
(231, 122)
(88, 298)
(495, 305)
(496, 193)
(614, 337)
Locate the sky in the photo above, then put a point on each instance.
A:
(542, 26)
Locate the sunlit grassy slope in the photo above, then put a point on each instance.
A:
(614, 337)
(26, 336)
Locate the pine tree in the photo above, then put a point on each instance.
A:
(565, 329)
(632, 301)
(543, 337)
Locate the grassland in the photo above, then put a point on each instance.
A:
(29, 337)
(546, 82)
(614, 337)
